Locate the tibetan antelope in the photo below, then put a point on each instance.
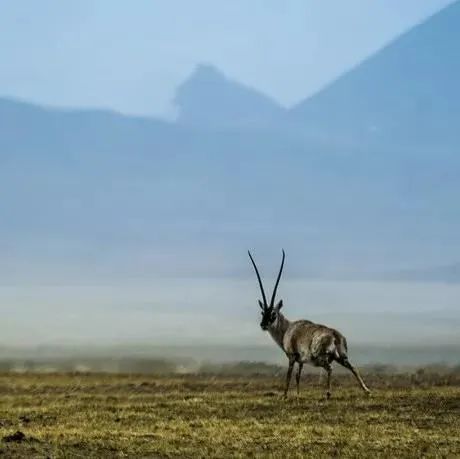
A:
(303, 341)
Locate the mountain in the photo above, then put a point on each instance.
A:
(407, 94)
(28, 128)
(209, 98)
(99, 195)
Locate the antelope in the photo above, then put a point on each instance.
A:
(302, 340)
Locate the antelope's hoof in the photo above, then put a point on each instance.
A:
(328, 395)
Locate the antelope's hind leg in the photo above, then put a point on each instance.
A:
(347, 364)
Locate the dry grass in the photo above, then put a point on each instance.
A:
(208, 416)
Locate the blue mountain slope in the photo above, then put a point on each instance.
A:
(408, 93)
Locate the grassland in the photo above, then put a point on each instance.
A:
(83, 415)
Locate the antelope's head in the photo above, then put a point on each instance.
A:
(270, 311)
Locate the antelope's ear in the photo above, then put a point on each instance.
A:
(261, 305)
(279, 305)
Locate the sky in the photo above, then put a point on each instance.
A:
(130, 56)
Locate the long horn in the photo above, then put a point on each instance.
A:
(260, 281)
(272, 301)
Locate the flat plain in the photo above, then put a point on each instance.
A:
(105, 415)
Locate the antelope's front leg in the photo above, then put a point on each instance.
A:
(289, 375)
(297, 376)
(329, 374)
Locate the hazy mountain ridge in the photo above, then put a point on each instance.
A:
(97, 187)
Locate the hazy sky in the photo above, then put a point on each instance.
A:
(131, 55)
(169, 311)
